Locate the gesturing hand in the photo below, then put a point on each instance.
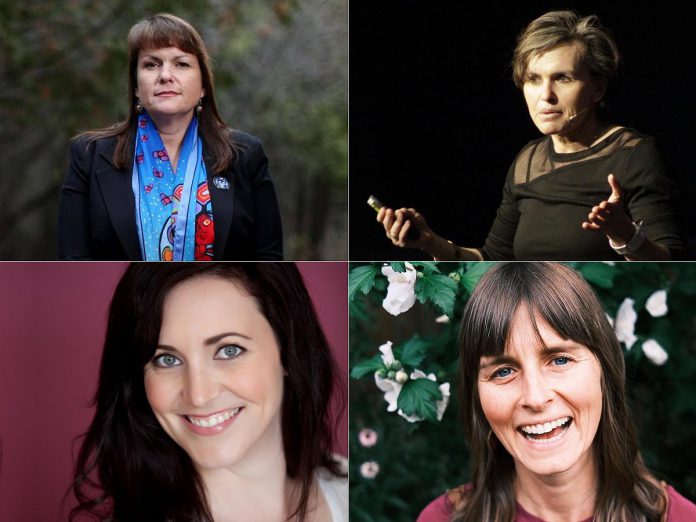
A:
(398, 223)
(609, 216)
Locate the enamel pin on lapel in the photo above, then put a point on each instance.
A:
(221, 183)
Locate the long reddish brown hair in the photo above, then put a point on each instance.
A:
(156, 32)
(627, 491)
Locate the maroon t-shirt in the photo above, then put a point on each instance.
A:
(440, 510)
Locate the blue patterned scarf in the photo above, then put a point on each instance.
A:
(168, 204)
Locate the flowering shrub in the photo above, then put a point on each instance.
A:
(406, 443)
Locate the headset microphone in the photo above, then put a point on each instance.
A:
(571, 118)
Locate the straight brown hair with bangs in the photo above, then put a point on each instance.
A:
(159, 31)
(627, 491)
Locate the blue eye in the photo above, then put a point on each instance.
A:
(229, 352)
(502, 373)
(166, 360)
(560, 361)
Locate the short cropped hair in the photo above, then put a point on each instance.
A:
(600, 52)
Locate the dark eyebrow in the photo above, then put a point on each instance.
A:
(178, 57)
(211, 340)
(546, 351)
(216, 338)
(502, 359)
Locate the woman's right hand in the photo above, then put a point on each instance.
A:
(397, 224)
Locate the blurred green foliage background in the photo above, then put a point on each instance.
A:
(418, 462)
(280, 68)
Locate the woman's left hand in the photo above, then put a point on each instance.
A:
(609, 216)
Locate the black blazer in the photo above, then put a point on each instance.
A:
(96, 216)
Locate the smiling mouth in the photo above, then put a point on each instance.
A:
(215, 419)
(547, 432)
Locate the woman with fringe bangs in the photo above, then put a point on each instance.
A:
(213, 401)
(172, 182)
(544, 408)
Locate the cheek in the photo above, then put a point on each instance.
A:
(528, 97)
(496, 406)
(160, 393)
(260, 382)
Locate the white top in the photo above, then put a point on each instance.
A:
(335, 490)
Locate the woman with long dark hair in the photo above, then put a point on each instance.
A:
(172, 182)
(213, 401)
(542, 396)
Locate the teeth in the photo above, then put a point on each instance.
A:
(213, 420)
(538, 429)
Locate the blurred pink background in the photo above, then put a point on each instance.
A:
(52, 325)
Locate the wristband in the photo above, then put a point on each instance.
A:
(639, 237)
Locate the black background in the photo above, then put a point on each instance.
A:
(436, 121)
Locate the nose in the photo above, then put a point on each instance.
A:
(200, 386)
(547, 93)
(165, 73)
(536, 393)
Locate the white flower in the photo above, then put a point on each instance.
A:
(369, 469)
(625, 323)
(443, 319)
(391, 390)
(400, 292)
(387, 354)
(656, 304)
(441, 404)
(655, 352)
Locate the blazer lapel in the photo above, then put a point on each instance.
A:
(223, 205)
(116, 189)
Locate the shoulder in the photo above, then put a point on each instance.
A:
(240, 139)
(442, 508)
(335, 488)
(439, 510)
(530, 147)
(248, 150)
(326, 478)
(84, 145)
(679, 508)
(627, 138)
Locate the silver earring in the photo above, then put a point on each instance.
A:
(199, 107)
(139, 106)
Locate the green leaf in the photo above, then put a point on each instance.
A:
(361, 279)
(438, 289)
(418, 397)
(600, 274)
(428, 266)
(368, 366)
(474, 272)
(398, 266)
(412, 352)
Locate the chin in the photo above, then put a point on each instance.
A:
(212, 459)
(549, 466)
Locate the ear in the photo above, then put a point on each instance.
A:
(600, 89)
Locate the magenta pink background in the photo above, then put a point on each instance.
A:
(52, 324)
